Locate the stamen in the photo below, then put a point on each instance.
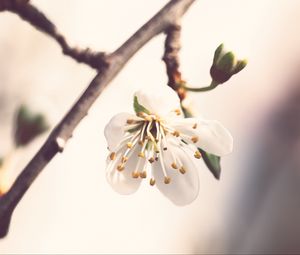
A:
(176, 133)
(130, 121)
(129, 145)
(194, 139)
(197, 155)
(120, 167)
(124, 159)
(174, 165)
(152, 182)
(195, 126)
(135, 174)
(143, 174)
(182, 170)
(177, 111)
(141, 142)
(167, 180)
(151, 160)
(141, 155)
(112, 156)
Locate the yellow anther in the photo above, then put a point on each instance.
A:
(143, 174)
(195, 126)
(130, 121)
(129, 145)
(141, 155)
(157, 151)
(177, 111)
(195, 139)
(176, 133)
(124, 159)
(152, 182)
(120, 167)
(174, 165)
(135, 174)
(151, 160)
(182, 170)
(167, 180)
(197, 154)
(112, 156)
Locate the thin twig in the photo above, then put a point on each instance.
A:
(28, 12)
(56, 141)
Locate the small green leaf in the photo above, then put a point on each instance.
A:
(218, 52)
(28, 125)
(138, 107)
(212, 162)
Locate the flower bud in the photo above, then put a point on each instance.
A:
(225, 65)
(28, 126)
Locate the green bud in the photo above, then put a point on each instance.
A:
(28, 125)
(138, 107)
(225, 65)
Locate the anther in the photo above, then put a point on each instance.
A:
(174, 165)
(176, 133)
(156, 158)
(143, 174)
(195, 139)
(151, 160)
(177, 111)
(124, 159)
(195, 126)
(112, 156)
(141, 155)
(165, 148)
(152, 182)
(167, 180)
(182, 170)
(141, 142)
(197, 154)
(129, 145)
(130, 121)
(135, 174)
(120, 167)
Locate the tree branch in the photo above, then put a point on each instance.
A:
(171, 59)
(56, 141)
(36, 18)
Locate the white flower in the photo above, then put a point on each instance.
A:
(159, 144)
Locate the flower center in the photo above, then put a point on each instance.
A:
(147, 140)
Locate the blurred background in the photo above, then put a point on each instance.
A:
(70, 208)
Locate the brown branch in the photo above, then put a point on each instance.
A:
(56, 141)
(36, 18)
(171, 59)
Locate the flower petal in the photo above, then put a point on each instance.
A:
(122, 181)
(183, 188)
(115, 129)
(159, 102)
(212, 136)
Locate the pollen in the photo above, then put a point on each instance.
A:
(120, 167)
(112, 156)
(151, 160)
(129, 145)
(195, 126)
(167, 180)
(195, 139)
(152, 182)
(135, 174)
(141, 155)
(177, 111)
(182, 170)
(143, 174)
(124, 159)
(197, 154)
(130, 121)
(174, 165)
(176, 133)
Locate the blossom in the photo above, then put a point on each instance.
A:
(159, 144)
